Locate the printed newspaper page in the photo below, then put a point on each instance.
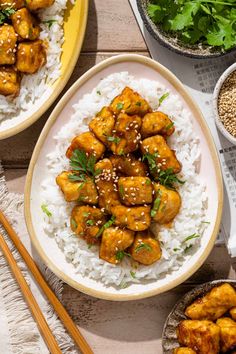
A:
(200, 76)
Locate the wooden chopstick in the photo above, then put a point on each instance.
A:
(58, 307)
(30, 299)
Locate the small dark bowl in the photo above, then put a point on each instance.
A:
(173, 43)
(169, 336)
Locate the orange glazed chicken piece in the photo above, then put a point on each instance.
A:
(214, 304)
(184, 350)
(102, 125)
(227, 333)
(145, 249)
(13, 4)
(31, 56)
(88, 143)
(130, 102)
(135, 190)
(114, 242)
(25, 25)
(9, 81)
(38, 4)
(128, 166)
(202, 336)
(7, 45)
(156, 123)
(134, 218)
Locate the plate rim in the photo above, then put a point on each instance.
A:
(219, 182)
(62, 80)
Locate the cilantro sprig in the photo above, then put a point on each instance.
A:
(143, 246)
(5, 14)
(120, 255)
(156, 204)
(83, 166)
(106, 225)
(210, 22)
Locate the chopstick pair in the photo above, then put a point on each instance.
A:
(30, 299)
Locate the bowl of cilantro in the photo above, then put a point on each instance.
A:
(196, 28)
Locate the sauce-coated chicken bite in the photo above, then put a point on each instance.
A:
(31, 56)
(114, 241)
(77, 191)
(86, 222)
(13, 4)
(130, 102)
(126, 136)
(165, 157)
(9, 81)
(214, 304)
(135, 190)
(38, 4)
(25, 25)
(88, 143)
(102, 125)
(202, 336)
(7, 45)
(167, 203)
(227, 333)
(184, 350)
(107, 189)
(134, 218)
(145, 248)
(232, 313)
(128, 166)
(156, 123)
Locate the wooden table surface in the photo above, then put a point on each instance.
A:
(111, 327)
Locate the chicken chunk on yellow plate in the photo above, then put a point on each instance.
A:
(31, 56)
(184, 350)
(134, 218)
(114, 242)
(76, 189)
(145, 249)
(202, 336)
(25, 25)
(128, 165)
(7, 45)
(214, 304)
(162, 154)
(38, 4)
(9, 81)
(107, 189)
(135, 190)
(167, 203)
(102, 125)
(88, 143)
(233, 313)
(156, 123)
(227, 333)
(86, 222)
(130, 102)
(126, 136)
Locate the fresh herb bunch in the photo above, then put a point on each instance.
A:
(83, 165)
(211, 22)
(5, 14)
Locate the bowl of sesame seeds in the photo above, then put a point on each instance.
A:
(224, 104)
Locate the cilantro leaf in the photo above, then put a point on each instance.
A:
(45, 210)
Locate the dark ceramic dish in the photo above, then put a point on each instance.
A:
(169, 337)
(172, 43)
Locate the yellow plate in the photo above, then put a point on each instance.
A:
(75, 20)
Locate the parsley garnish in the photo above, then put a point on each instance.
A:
(49, 23)
(148, 182)
(99, 92)
(191, 237)
(119, 106)
(120, 255)
(143, 246)
(83, 164)
(5, 14)
(133, 274)
(106, 225)
(45, 210)
(90, 222)
(187, 248)
(156, 204)
(168, 178)
(210, 22)
(169, 126)
(74, 223)
(163, 97)
(113, 139)
(76, 178)
(151, 159)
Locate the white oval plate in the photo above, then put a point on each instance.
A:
(210, 173)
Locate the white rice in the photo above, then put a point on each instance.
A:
(36, 88)
(190, 219)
